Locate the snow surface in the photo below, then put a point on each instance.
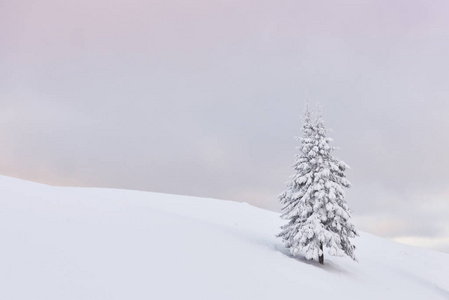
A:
(86, 243)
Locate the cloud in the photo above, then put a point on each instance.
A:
(413, 218)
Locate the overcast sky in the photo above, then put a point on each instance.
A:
(204, 98)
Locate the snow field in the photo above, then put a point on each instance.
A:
(85, 243)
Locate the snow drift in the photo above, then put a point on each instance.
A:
(86, 243)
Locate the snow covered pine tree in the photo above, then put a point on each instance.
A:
(314, 201)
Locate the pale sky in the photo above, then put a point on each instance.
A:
(204, 98)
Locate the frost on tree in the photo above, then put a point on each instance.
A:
(314, 202)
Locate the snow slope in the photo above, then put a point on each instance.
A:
(85, 243)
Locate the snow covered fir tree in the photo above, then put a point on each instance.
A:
(314, 202)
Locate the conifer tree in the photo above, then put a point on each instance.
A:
(314, 202)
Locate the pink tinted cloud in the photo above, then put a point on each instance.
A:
(49, 27)
(132, 25)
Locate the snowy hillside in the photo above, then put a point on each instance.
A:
(84, 243)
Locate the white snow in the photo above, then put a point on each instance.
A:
(85, 243)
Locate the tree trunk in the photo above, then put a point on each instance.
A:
(321, 257)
